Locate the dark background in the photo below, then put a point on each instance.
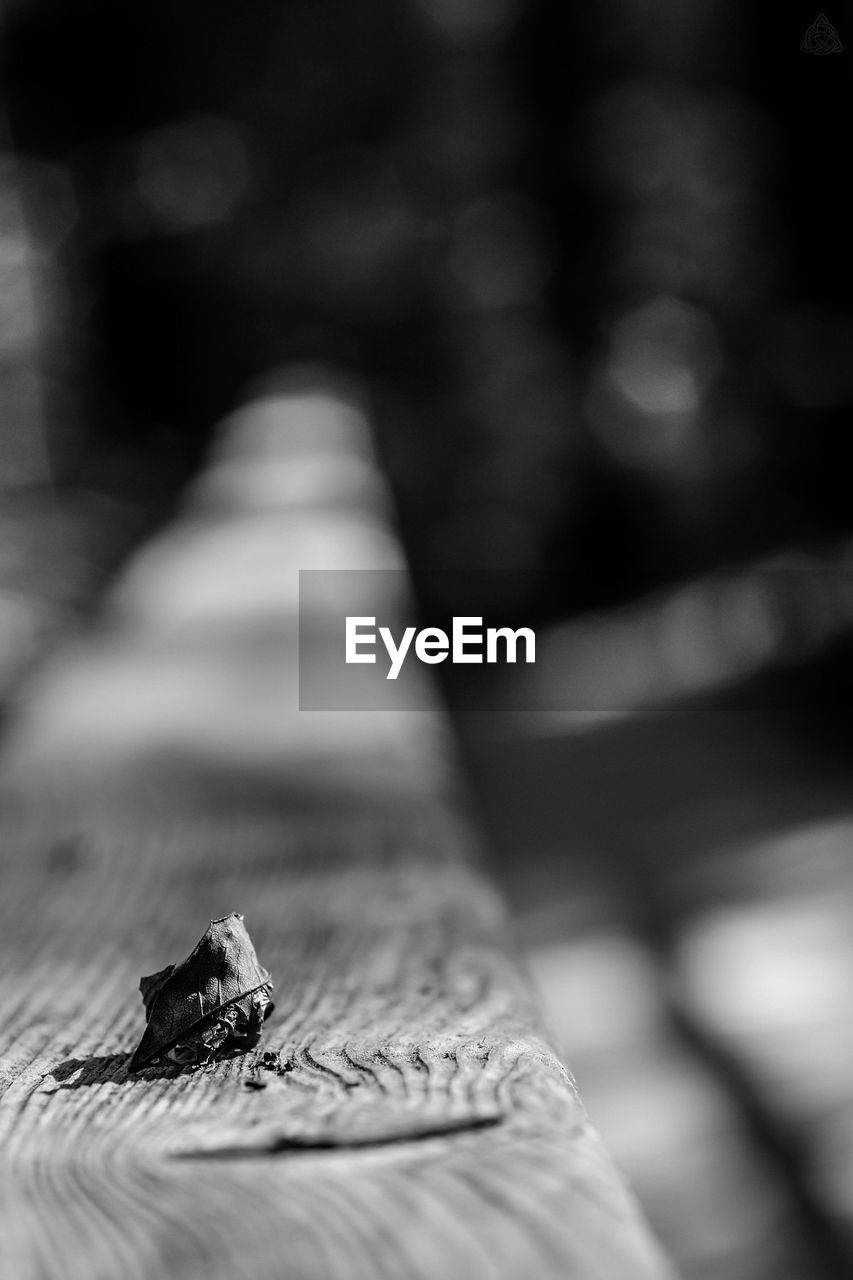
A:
(459, 204)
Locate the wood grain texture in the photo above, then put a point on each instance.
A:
(413, 1121)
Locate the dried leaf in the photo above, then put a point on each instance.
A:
(214, 1003)
(150, 987)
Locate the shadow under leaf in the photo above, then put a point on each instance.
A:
(105, 1068)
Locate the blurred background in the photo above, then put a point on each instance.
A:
(593, 263)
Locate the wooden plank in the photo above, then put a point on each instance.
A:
(411, 1120)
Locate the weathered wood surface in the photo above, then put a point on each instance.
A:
(415, 1122)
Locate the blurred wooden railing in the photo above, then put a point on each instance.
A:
(410, 1118)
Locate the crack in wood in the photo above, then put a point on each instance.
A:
(301, 1145)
